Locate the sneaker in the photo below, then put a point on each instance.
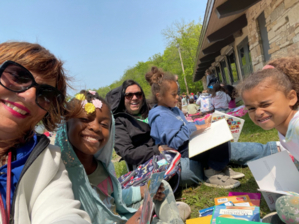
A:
(220, 180)
(184, 210)
(272, 218)
(233, 174)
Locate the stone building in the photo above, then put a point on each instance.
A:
(239, 36)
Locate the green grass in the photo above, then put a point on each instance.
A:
(201, 196)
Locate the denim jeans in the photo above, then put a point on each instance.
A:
(240, 153)
(243, 152)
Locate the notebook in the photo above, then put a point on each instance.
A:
(201, 220)
(220, 220)
(251, 213)
(255, 198)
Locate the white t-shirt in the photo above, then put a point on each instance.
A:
(291, 140)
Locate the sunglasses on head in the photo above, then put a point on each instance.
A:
(129, 96)
(18, 79)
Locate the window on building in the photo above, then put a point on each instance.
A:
(231, 60)
(219, 75)
(264, 36)
(245, 57)
(225, 72)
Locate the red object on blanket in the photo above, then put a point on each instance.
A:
(203, 118)
(239, 113)
(47, 133)
(190, 115)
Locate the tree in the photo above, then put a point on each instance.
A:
(187, 36)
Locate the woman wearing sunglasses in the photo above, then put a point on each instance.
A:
(34, 184)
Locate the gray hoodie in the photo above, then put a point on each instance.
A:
(221, 100)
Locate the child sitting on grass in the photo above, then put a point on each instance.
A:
(87, 142)
(192, 107)
(271, 97)
(170, 127)
(220, 99)
(232, 92)
(204, 101)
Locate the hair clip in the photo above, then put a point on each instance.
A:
(97, 103)
(92, 92)
(80, 96)
(89, 108)
(268, 67)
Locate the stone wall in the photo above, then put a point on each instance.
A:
(282, 23)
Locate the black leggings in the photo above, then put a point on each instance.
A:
(217, 158)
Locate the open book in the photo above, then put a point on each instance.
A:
(235, 123)
(276, 175)
(217, 134)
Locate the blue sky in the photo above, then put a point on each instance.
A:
(97, 39)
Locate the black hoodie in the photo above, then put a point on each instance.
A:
(132, 137)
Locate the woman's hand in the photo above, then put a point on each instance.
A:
(159, 196)
(135, 219)
(164, 148)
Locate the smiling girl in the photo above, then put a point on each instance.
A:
(87, 142)
(271, 97)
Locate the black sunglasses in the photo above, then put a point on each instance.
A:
(129, 96)
(16, 78)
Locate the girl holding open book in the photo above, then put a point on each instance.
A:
(271, 97)
(169, 127)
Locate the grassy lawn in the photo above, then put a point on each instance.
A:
(201, 196)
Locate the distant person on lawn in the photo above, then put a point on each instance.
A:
(192, 107)
(211, 79)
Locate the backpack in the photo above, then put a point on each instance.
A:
(168, 161)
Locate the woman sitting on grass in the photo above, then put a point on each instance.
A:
(271, 97)
(87, 142)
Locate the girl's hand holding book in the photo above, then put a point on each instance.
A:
(207, 124)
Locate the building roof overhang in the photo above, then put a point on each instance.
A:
(223, 18)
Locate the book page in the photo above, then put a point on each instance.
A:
(217, 134)
(275, 173)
